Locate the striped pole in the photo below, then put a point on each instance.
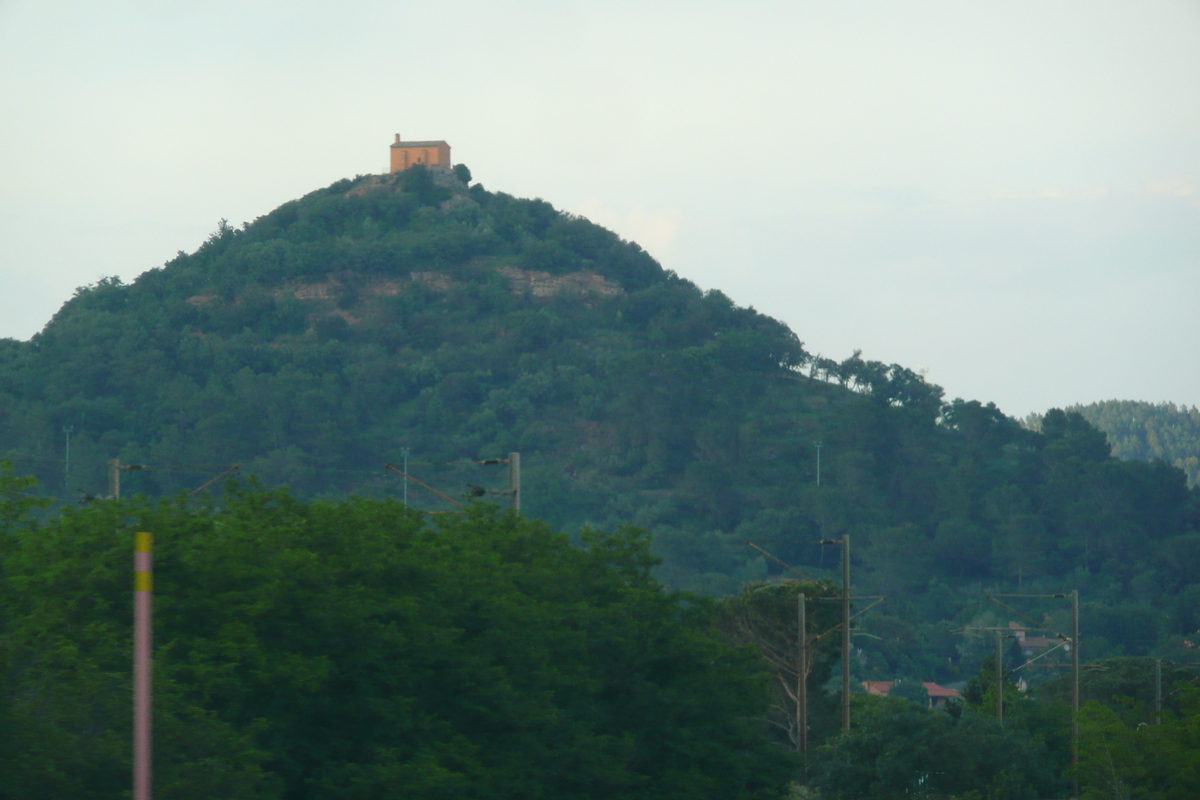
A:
(142, 587)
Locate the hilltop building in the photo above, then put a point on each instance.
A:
(409, 154)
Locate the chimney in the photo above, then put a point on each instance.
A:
(397, 138)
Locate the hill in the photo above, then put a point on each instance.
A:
(410, 311)
(1149, 432)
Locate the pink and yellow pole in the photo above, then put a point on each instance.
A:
(143, 585)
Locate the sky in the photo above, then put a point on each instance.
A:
(1005, 195)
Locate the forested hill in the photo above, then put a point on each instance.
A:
(1150, 431)
(408, 311)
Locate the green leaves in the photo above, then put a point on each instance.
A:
(1158, 762)
(897, 750)
(333, 649)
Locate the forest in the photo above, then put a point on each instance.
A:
(417, 318)
(362, 649)
(1146, 431)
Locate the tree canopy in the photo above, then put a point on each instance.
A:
(359, 649)
(1149, 431)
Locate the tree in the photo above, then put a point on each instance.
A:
(765, 617)
(1119, 760)
(1150, 431)
(963, 547)
(898, 750)
(346, 649)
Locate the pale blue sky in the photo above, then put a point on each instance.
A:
(1006, 194)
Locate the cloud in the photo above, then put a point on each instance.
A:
(1176, 186)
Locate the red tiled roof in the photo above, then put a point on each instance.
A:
(932, 689)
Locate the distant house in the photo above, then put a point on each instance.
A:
(409, 154)
(1030, 645)
(938, 695)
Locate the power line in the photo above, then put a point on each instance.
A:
(420, 482)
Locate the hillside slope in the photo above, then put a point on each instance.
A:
(409, 311)
(1150, 431)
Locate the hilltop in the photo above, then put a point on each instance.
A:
(416, 311)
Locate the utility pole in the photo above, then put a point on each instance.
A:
(845, 632)
(845, 626)
(1158, 691)
(801, 696)
(1073, 639)
(143, 586)
(1075, 686)
(999, 678)
(802, 678)
(818, 446)
(114, 476)
(514, 481)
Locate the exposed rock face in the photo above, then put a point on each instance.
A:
(543, 284)
(535, 283)
(333, 289)
(311, 291)
(438, 281)
(521, 281)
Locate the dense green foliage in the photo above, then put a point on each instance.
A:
(354, 650)
(313, 344)
(1150, 432)
(1124, 759)
(900, 750)
(1126, 685)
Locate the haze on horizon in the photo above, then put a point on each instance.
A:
(1006, 194)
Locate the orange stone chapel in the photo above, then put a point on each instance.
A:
(408, 154)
